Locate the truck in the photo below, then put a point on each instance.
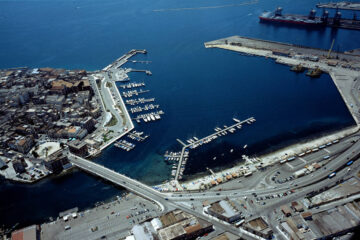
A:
(349, 163)
(333, 174)
(239, 223)
(247, 174)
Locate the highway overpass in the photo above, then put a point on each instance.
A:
(130, 184)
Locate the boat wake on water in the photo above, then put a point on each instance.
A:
(207, 7)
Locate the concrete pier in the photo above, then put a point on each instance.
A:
(340, 5)
(123, 59)
(343, 67)
(138, 61)
(181, 142)
(111, 100)
(137, 136)
(139, 70)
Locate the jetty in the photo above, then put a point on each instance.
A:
(139, 101)
(139, 61)
(220, 131)
(148, 72)
(138, 136)
(130, 93)
(343, 67)
(123, 59)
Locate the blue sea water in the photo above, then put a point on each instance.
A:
(197, 88)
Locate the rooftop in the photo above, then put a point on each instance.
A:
(29, 233)
(224, 208)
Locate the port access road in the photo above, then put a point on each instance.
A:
(183, 200)
(143, 190)
(132, 185)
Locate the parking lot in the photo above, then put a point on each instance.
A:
(111, 220)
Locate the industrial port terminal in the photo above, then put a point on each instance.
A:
(343, 67)
(340, 5)
(311, 20)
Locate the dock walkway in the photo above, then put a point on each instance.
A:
(137, 136)
(123, 59)
(185, 148)
(111, 98)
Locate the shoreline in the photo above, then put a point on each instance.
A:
(116, 106)
(338, 75)
(265, 160)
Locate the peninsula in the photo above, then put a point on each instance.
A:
(48, 113)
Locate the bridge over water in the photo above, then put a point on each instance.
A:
(116, 178)
(163, 200)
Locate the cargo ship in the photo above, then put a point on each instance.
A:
(311, 20)
(277, 16)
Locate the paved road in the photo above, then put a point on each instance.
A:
(120, 179)
(166, 201)
(112, 220)
(112, 98)
(351, 153)
(161, 199)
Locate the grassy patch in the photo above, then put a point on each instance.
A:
(109, 84)
(106, 138)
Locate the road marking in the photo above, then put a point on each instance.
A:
(326, 150)
(290, 165)
(303, 160)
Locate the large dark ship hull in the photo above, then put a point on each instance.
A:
(287, 21)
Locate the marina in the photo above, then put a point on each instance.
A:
(194, 142)
(132, 85)
(144, 108)
(172, 156)
(131, 93)
(137, 136)
(125, 145)
(139, 101)
(148, 117)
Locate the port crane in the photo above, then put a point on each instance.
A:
(332, 45)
